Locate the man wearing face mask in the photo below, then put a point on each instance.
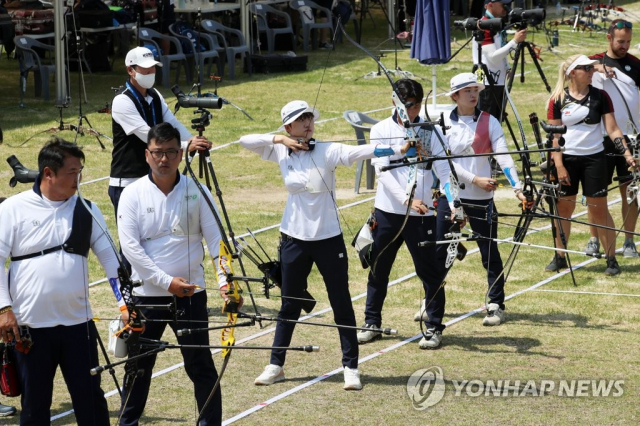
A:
(134, 112)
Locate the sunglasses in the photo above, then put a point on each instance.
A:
(586, 68)
(623, 24)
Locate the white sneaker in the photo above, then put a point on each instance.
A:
(495, 315)
(352, 379)
(421, 315)
(629, 250)
(369, 335)
(271, 374)
(431, 340)
(593, 246)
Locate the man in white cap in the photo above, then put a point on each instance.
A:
(310, 228)
(134, 111)
(495, 51)
(472, 131)
(618, 73)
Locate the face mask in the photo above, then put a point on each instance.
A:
(145, 80)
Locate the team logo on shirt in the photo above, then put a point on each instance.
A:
(150, 209)
(36, 223)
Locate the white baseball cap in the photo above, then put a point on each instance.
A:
(294, 109)
(582, 60)
(466, 79)
(142, 57)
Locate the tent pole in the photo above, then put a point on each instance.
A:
(60, 44)
(433, 84)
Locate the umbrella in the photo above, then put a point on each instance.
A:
(431, 35)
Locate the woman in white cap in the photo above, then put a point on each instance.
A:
(472, 131)
(584, 110)
(310, 228)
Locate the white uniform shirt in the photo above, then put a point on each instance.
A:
(53, 289)
(630, 95)
(391, 193)
(495, 57)
(310, 213)
(161, 236)
(125, 113)
(461, 136)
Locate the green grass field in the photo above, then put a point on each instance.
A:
(555, 332)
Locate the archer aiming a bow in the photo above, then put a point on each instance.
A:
(162, 220)
(587, 112)
(47, 233)
(391, 210)
(618, 73)
(310, 228)
(472, 131)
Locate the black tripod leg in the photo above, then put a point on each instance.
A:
(112, 372)
(538, 67)
(83, 117)
(553, 209)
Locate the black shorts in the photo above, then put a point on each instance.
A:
(588, 170)
(615, 162)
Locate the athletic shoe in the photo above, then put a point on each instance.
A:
(612, 267)
(431, 339)
(556, 264)
(352, 379)
(593, 246)
(7, 410)
(369, 335)
(272, 374)
(495, 315)
(421, 315)
(325, 46)
(629, 250)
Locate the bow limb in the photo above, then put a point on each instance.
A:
(231, 306)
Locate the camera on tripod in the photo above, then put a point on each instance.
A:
(473, 24)
(520, 18)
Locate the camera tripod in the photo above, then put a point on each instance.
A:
(518, 56)
(79, 129)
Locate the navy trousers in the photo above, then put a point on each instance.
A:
(428, 269)
(198, 363)
(74, 350)
(330, 256)
(491, 260)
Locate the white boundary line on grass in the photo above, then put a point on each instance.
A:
(360, 296)
(595, 293)
(389, 349)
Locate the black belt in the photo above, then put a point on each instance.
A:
(36, 254)
(396, 161)
(286, 237)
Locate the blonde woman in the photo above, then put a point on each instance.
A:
(584, 110)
